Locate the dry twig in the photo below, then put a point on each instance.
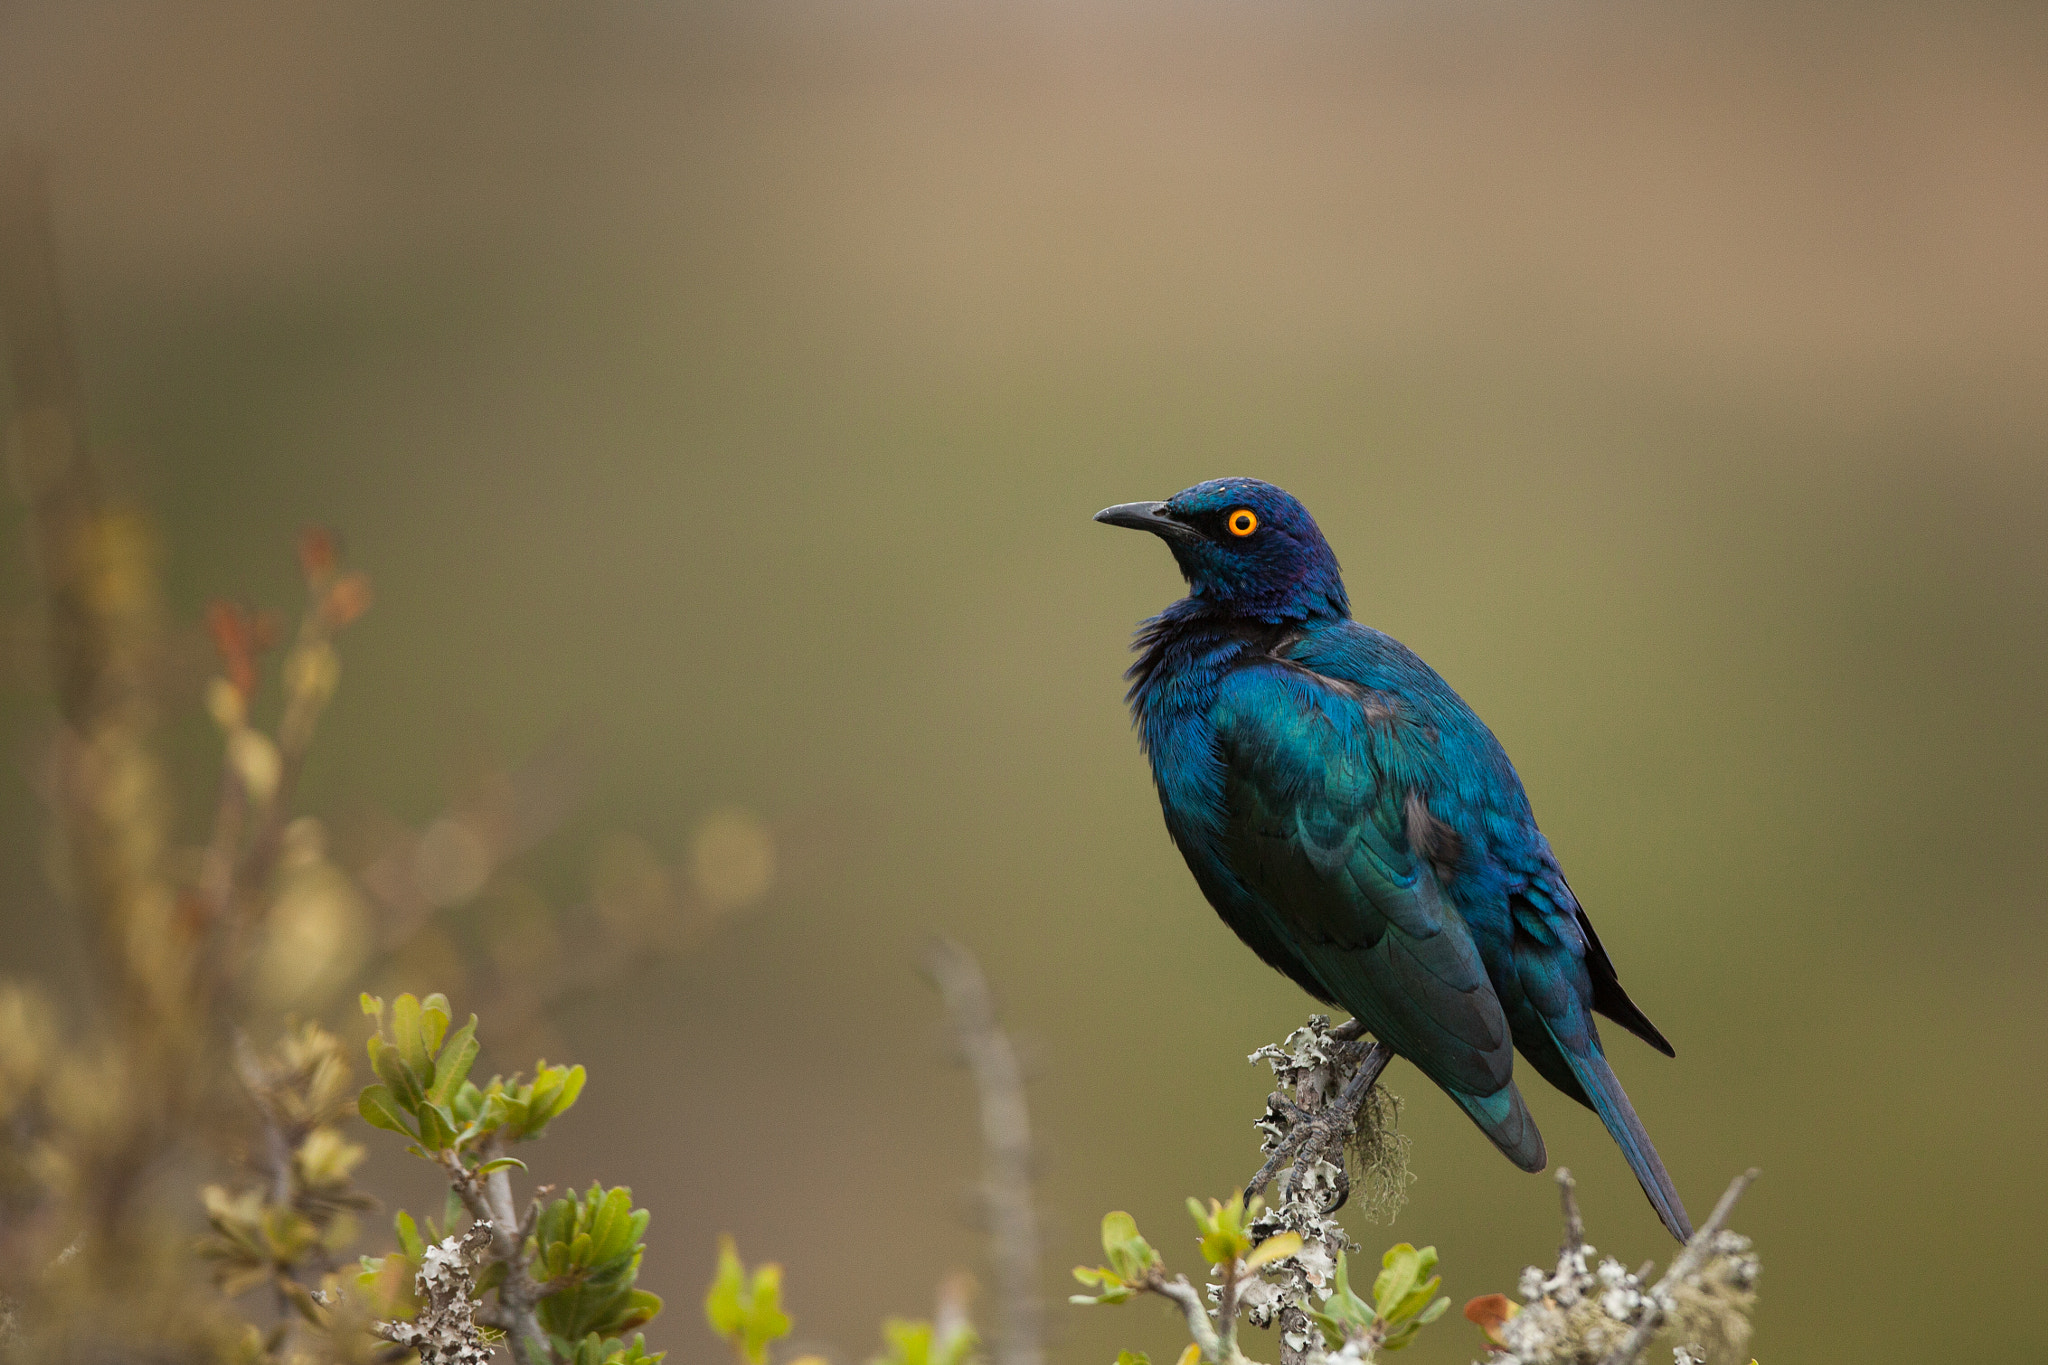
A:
(1006, 1144)
(1684, 1264)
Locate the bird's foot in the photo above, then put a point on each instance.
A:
(1311, 1137)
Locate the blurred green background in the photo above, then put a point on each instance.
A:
(728, 386)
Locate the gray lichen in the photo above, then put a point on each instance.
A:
(1312, 1068)
(1581, 1313)
(444, 1331)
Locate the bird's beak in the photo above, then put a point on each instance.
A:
(1146, 516)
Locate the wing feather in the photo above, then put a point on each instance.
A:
(1315, 831)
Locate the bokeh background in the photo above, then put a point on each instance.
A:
(719, 392)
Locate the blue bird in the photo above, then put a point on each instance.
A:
(1360, 828)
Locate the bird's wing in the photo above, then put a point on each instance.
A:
(1314, 833)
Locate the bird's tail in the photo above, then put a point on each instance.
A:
(1610, 1102)
(1504, 1118)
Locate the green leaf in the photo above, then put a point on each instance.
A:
(572, 1086)
(1401, 1271)
(409, 1236)
(594, 1281)
(380, 1110)
(612, 1213)
(1224, 1227)
(500, 1163)
(437, 1126)
(546, 1082)
(434, 1017)
(392, 1070)
(1107, 1297)
(1278, 1247)
(1343, 1314)
(908, 1343)
(1131, 1255)
(957, 1346)
(407, 1037)
(630, 1353)
(1417, 1300)
(725, 1301)
(451, 1068)
(556, 1222)
(916, 1342)
(1133, 1358)
(374, 1007)
(765, 1320)
(643, 1306)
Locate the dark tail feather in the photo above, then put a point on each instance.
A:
(1504, 1118)
(1608, 996)
(1610, 1102)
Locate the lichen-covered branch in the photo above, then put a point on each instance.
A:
(1584, 1314)
(1715, 1269)
(1327, 1100)
(444, 1331)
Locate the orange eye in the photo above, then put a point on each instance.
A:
(1242, 522)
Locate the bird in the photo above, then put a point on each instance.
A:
(1358, 826)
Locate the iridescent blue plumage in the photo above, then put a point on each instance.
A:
(1361, 829)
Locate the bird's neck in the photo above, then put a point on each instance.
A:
(1184, 652)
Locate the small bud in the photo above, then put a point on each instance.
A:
(317, 554)
(226, 704)
(230, 627)
(348, 599)
(256, 762)
(311, 673)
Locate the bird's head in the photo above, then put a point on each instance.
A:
(1245, 546)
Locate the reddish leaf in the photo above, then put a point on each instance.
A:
(1491, 1312)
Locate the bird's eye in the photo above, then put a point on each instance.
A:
(1242, 522)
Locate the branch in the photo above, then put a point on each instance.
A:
(489, 1201)
(1574, 1225)
(1306, 1134)
(1190, 1302)
(1006, 1145)
(444, 1331)
(96, 565)
(1682, 1265)
(1314, 1133)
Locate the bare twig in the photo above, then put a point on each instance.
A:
(1006, 1144)
(1574, 1225)
(1685, 1263)
(96, 566)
